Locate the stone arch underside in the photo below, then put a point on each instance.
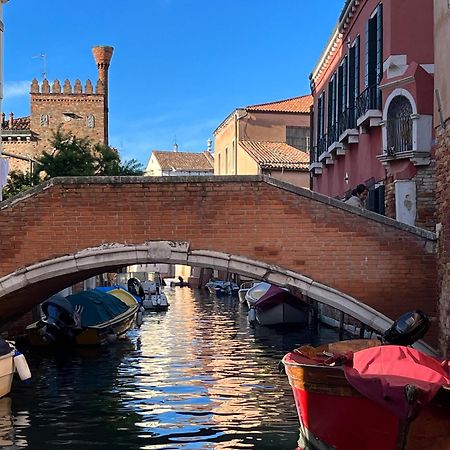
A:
(47, 277)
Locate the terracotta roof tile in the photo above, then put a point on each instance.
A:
(293, 105)
(21, 123)
(276, 155)
(184, 160)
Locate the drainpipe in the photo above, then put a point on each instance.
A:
(3, 161)
(238, 115)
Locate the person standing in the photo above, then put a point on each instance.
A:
(359, 196)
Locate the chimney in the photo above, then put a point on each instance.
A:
(11, 121)
(102, 55)
(175, 147)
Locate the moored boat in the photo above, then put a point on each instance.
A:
(221, 288)
(360, 394)
(86, 318)
(272, 305)
(243, 289)
(156, 302)
(11, 361)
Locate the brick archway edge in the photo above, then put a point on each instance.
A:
(96, 259)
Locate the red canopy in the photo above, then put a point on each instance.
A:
(401, 379)
(276, 295)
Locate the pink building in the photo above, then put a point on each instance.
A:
(373, 108)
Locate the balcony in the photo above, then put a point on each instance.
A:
(323, 152)
(368, 107)
(315, 167)
(332, 142)
(347, 131)
(399, 141)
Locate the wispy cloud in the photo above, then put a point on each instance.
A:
(16, 89)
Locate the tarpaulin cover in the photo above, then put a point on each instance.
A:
(98, 307)
(276, 295)
(388, 375)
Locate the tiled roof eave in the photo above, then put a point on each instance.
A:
(284, 166)
(271, 111)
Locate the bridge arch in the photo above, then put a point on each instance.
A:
(250, 225)
(52, 275)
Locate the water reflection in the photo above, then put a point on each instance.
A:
(194, 377)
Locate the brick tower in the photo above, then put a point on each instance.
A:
(80, 110)
(102, 56)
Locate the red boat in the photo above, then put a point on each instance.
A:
(360, 395)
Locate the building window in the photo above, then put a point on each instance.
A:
(226, 162)
(298, 137)
(90, 121)
(399, 126)
(320, 136)
(370, 98)
(353, 82)
(218, 164)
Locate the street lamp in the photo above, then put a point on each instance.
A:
(3, 159)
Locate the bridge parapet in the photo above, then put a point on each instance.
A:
(310, 239)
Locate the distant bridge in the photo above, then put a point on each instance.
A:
(70, 229)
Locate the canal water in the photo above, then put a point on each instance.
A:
(194, 377)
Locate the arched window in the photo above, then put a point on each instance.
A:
(399, 126)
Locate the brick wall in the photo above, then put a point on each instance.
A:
(443, 218)
(389, 266)
(425, 180)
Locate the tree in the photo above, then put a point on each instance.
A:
(72, 156)
(19, 182)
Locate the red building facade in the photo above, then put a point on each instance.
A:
(373, 109)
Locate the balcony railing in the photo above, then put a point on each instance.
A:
(332, 134)
(370, 98)
(346, 120)
(399, 135)
(321, 146)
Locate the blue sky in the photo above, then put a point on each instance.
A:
(179, 66)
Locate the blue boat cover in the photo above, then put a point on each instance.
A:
(97, 306)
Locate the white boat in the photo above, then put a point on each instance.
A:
(156, 302)
(244, 288)
(221, 288)
(11, 361)
(272, 305)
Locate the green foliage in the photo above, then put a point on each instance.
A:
(72, 156)
(19, 182)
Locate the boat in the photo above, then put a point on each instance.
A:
(156, 302)
(11, 361)
(273, 305)
(89, 317)
(371, 393)
(221, 288)
(244, 287)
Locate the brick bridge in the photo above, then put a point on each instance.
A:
(69, 229)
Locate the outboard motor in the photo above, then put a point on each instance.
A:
(407, 329)
(59, 318)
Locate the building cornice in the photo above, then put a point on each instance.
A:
(335, 40)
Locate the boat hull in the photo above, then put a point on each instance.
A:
(283, 313)
(6, 373)
(104, 333)
(335, 416)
